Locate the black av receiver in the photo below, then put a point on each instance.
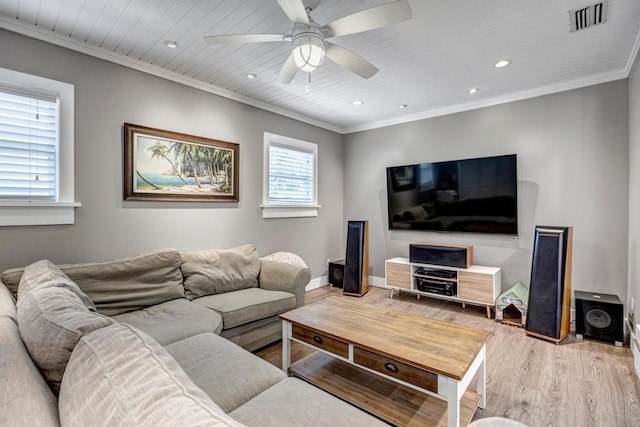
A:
(435, 286)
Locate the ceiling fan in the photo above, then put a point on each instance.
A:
(309, 39)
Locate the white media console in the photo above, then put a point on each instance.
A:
(475, 285)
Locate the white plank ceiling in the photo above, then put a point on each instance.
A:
(428, 63)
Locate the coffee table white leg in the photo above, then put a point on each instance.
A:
(453, 403)
(481, 386)
(286, 346)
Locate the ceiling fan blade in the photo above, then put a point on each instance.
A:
(246, 38)
(295, 11)
(288, 71)
(349, 60)
(369, 19)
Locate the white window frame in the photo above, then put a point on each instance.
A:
(61, 211)
(274, 210)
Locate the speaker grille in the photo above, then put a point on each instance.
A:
(547, 296)
(353, 262)
(336, 273)
(599, 316)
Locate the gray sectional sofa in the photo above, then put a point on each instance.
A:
(141, 342)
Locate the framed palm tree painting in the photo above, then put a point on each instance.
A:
(164, 165)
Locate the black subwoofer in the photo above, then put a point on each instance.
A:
(549, 307)
(336, 273)
(356, 268)
(600, 317)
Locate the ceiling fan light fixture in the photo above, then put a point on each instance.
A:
(308, 52)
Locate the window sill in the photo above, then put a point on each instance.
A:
(289, 211)
(37, 213)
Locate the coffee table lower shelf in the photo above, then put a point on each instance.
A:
(387, 400)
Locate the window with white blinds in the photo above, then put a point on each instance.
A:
(28, 145)
(291, 175)
(290, 187)
(36, 150)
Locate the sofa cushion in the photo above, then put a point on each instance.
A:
(44, 274)
(51, 321)
(130, 284)
(119, 376)
(7, 303)
(25, 398)
(11, 278)
(173, 320)
(293, 402)
(227, 373)
(247, 305)
(220, 270)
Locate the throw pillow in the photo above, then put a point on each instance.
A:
(125, 378)
(44, 274)
(51, 320)
(220, 270)
(288, 257)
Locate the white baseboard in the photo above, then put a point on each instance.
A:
(319, 282)
(634, 343)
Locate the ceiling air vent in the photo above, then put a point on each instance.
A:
(586, 17)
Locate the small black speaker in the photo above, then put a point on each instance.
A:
(549, 303)
(600, 317)
(447, 255)
(336, 273)
(356, 269)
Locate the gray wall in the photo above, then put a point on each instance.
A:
(572, 163)
(108, 95)
(573, 169)
(634, 189)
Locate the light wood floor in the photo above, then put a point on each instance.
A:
(573, 384)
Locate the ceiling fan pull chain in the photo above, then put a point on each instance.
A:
(308, 83)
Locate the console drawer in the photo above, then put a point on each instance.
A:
(476, 287)
(321, 341)
(407, 373)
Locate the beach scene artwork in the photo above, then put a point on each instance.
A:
(165, 166)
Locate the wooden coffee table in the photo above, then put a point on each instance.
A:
(403, 368)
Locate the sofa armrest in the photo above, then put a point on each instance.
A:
(283, 276)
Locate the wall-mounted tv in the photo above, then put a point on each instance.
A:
(471, 195)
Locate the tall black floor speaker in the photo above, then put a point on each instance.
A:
(549, 307)
(356, 267)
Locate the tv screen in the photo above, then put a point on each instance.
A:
(471, 195)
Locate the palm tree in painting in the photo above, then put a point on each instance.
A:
(161, 151)
(188, 155)
(226, 163)
(210, 165)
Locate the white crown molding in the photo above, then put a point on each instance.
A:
(489, 102)
(69, 43)
(633, 56)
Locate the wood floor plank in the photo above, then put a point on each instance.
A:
(534, 381)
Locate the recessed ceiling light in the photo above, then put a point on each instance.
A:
(473, 90)
(502, 63)
(171, 44)
(358, 102)
(403, 106)
(252, 76)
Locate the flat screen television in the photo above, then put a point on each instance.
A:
(470, 195)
